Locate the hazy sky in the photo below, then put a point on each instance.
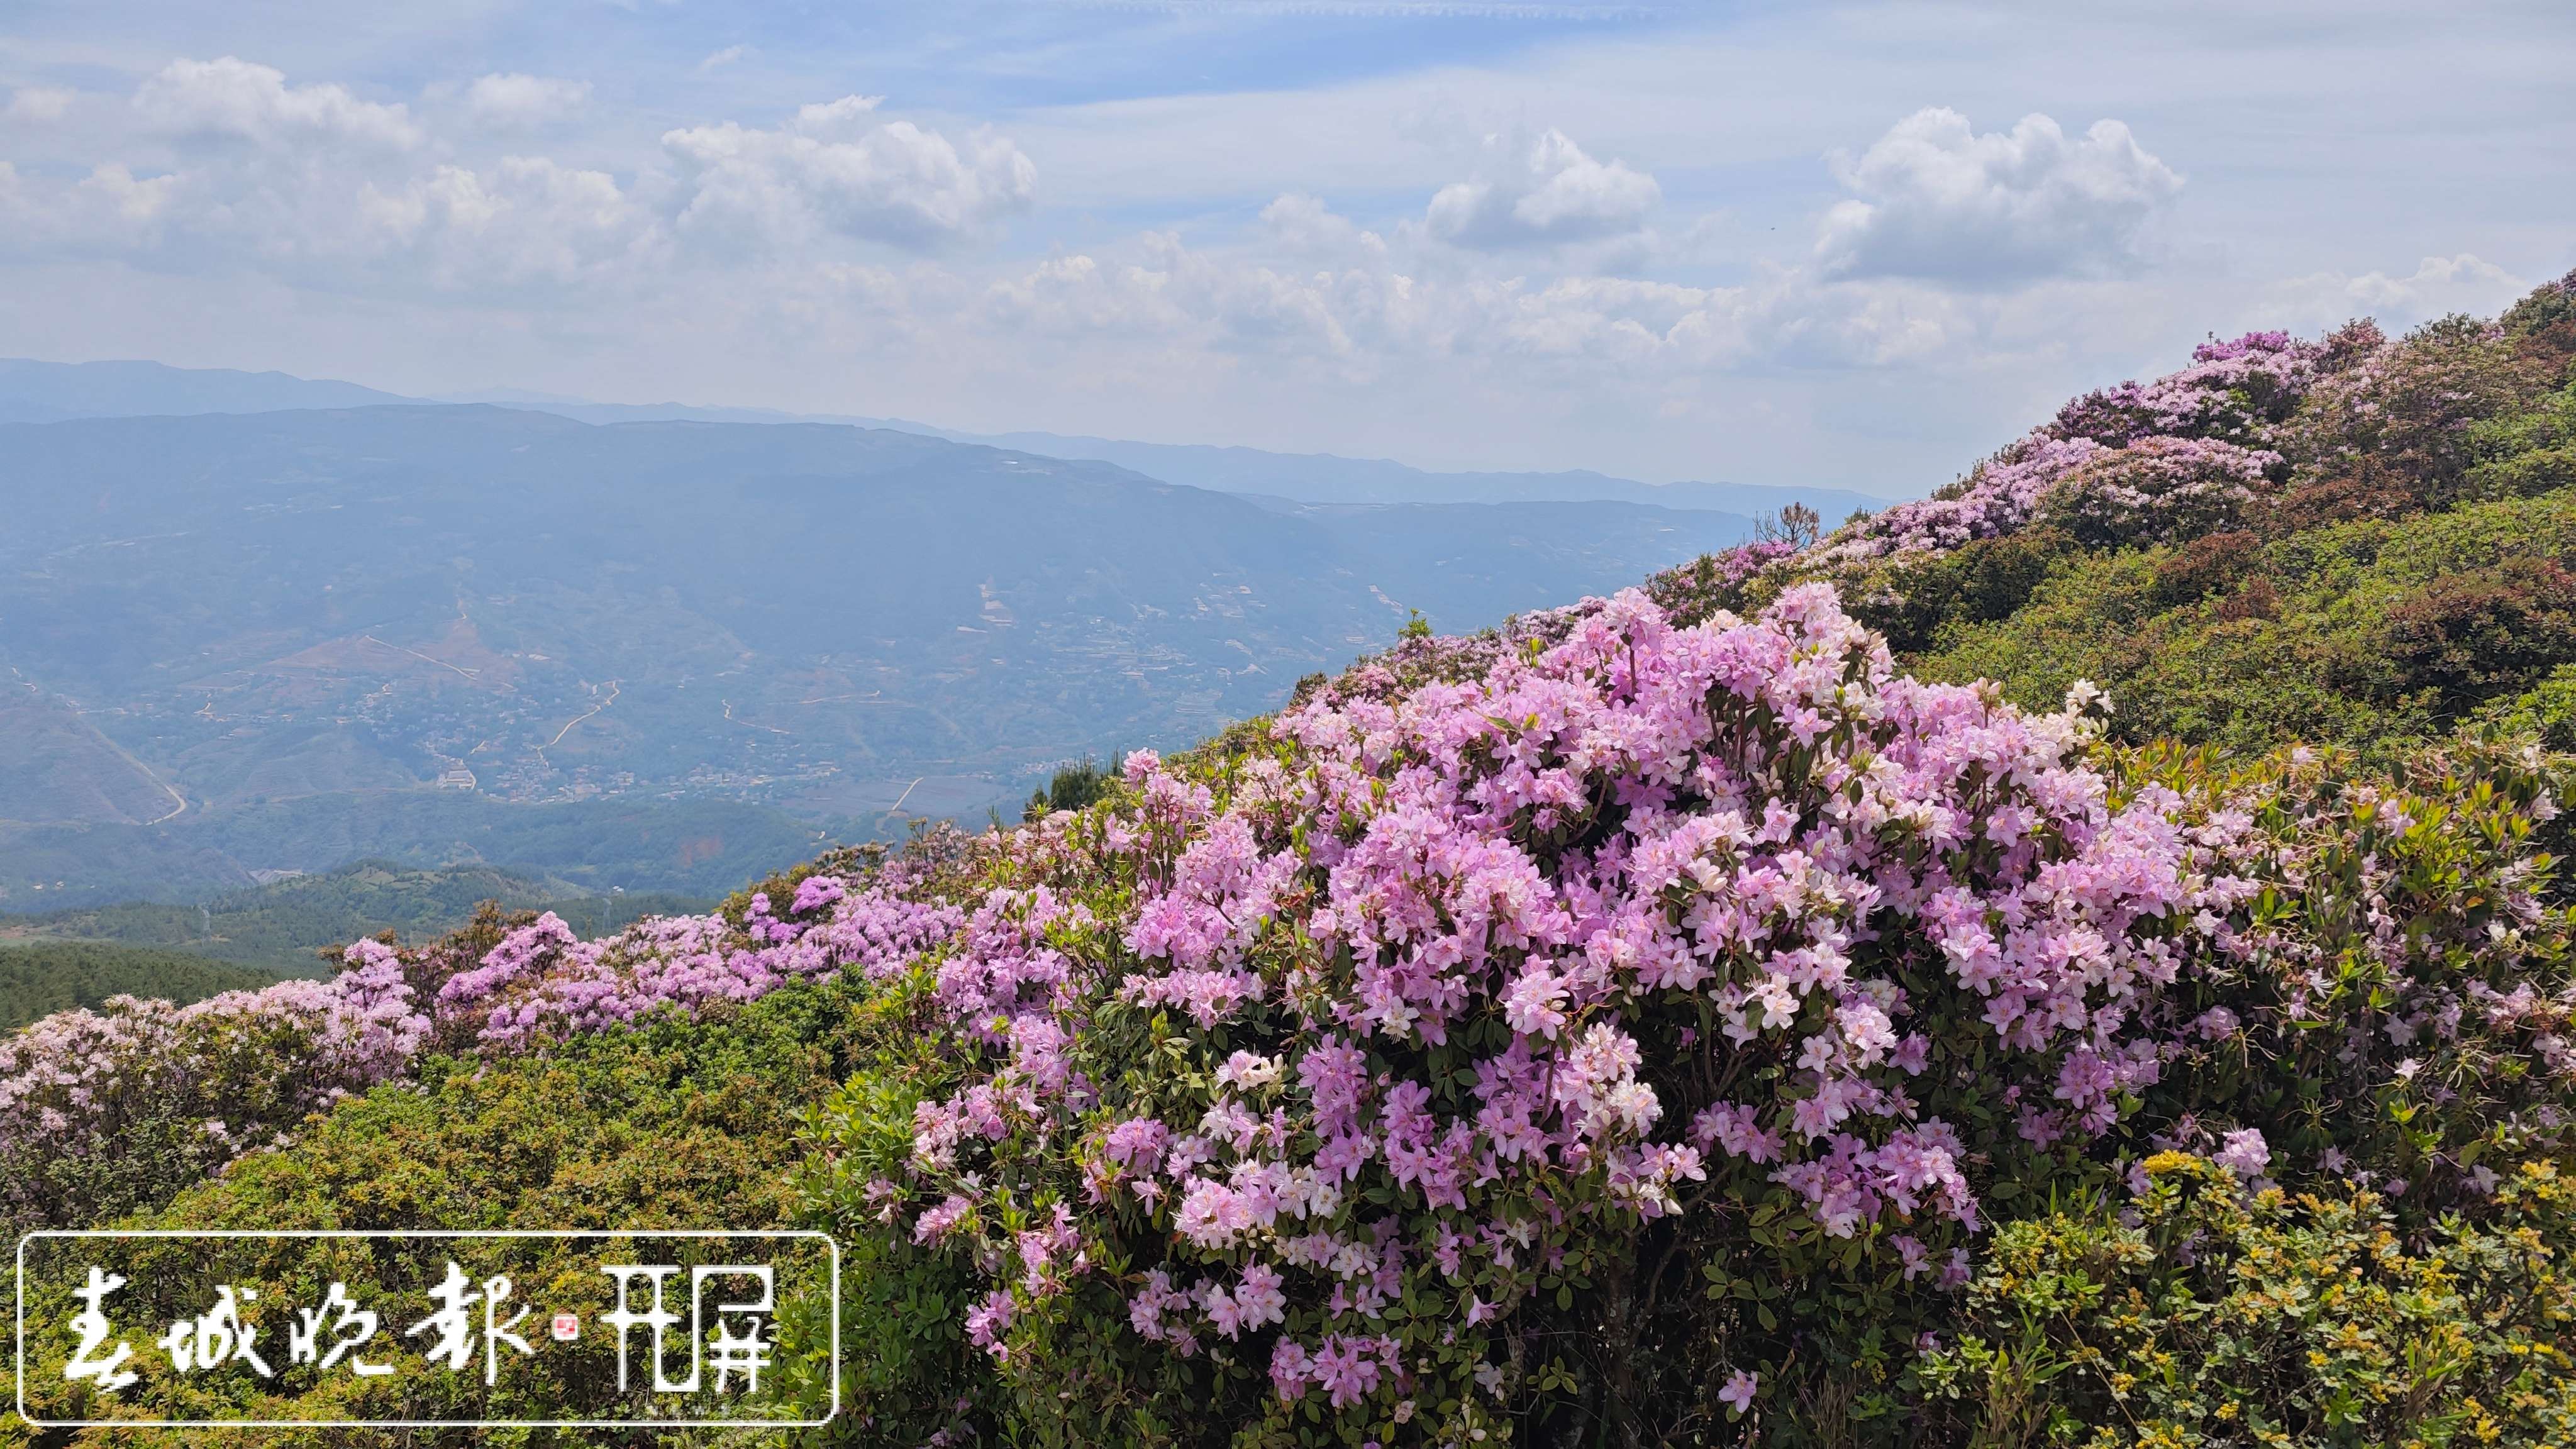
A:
(1855, 245)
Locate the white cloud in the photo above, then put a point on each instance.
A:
(110, 209)
(526, 221)
(835, 170)
(512, 102)
(320, 189)
(1304, 226)
(1369, 319)
(133, 200)
(1079, 296)
(1936, 200)
(522, 229)
(725, 57)
(2439, 285)
(746, 232)
(314, 186)
(38, 103)
(232, 99)
(1548, 191)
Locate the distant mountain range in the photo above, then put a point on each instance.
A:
(280, 926)
(52, 391)
(48, 392)
(244, 643)
(254, 623)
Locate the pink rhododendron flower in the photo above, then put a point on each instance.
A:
(1738, 1393)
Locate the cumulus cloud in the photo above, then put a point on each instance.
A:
(1369, 317)
(1546, 192)
(1937, 200)
(139, 201)
(512, 102)
(521, 229)
(1304, 226)
(1082, 296)
(110, 209)
(836, 170)
(233, 100)
(2438, 285)
(38, 103)
(321, 188)
(526, 221)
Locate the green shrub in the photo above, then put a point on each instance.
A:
(673, 1124)
(2546, 712)
(908, 1371)
(2469, 637)
(1070, 788)
(2526, 453)
(2363, 632)
(2412, 409)
(2205, 1314)
(1983, 581)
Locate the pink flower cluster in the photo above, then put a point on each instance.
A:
(252, 1064)
(1443, 960)
(1998, 499)
(2159, 490)
(2140, 461)
(1734, 565)
(2235, 391)
(542, 982)
(243, 1066)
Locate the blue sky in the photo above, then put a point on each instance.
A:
(1857, 245)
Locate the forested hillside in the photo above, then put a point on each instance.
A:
(41, 977)
(2072, 961)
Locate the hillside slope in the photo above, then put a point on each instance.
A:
(1647, 1023)
(2359, 540)
(40, 978)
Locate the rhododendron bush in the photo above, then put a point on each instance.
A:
(1607, 1028)
(90, 1101)
(2126, 465)
(119, 1107)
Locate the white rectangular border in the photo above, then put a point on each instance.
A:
(19, 1343)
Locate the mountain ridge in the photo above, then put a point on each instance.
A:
(29, 392)
(250, 626)
(33, 391)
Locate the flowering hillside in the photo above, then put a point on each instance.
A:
(2358, 539)
(1666, 1020)
(1654, 1026)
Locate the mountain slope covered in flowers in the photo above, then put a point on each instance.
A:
(1670, 1019)
(2356, 539)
